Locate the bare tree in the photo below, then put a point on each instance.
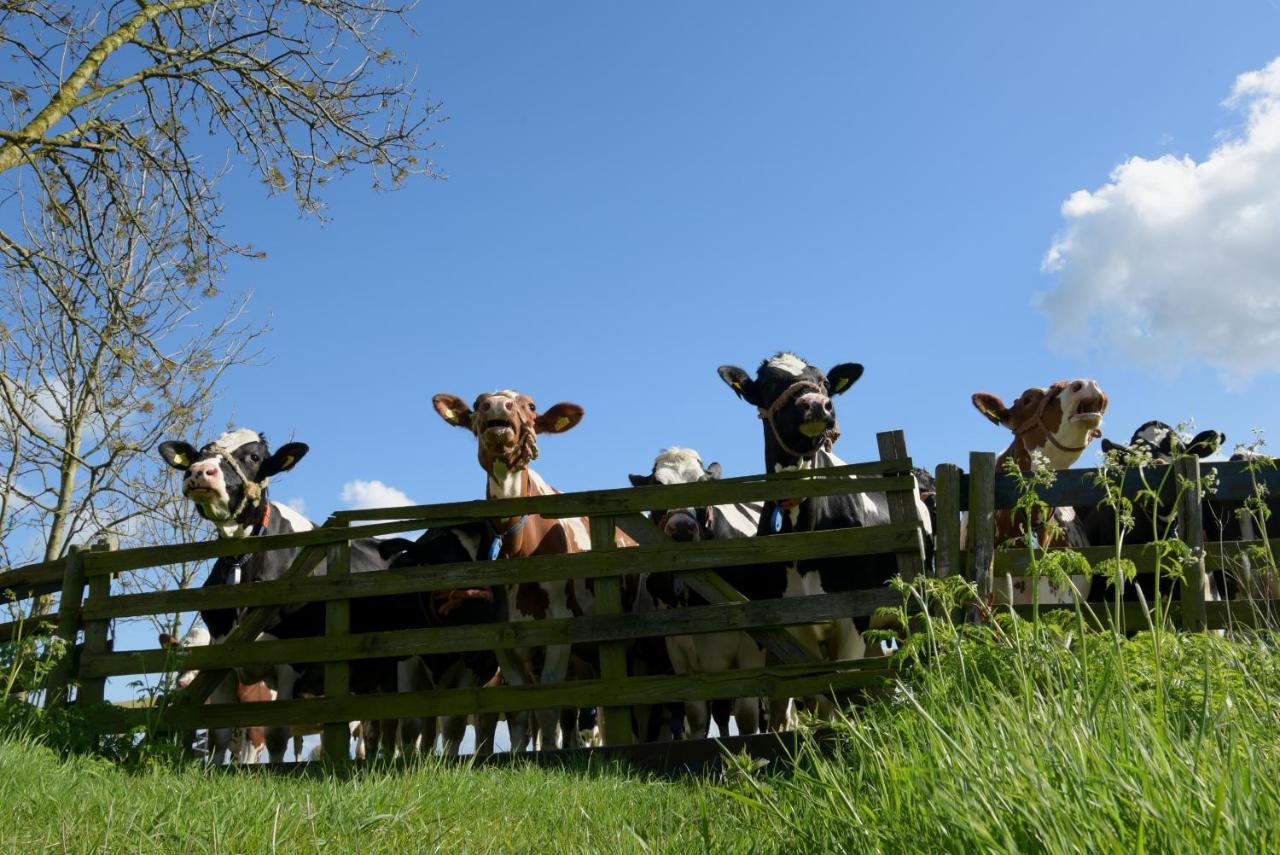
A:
(113, 329)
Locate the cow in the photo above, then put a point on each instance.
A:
(1153, 444)
(795, 402)
(227, 482)
(705, 652)
(506, 425)
(1053, 426)
(452, 608)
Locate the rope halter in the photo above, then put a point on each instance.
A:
(253, 490)
(1039, 423)
(769, 414)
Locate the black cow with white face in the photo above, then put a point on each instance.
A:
(1154, 444)
(227, 481)
(796, 402)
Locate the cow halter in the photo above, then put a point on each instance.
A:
(253, 490)
(769, 414)
(1039, 423)
(496, 549)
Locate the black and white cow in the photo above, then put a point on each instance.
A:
(795, 402)
(1154, 444)
(707, 652)
(227, 481)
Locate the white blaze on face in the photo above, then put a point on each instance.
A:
(788, 363)
(1081, 415)
(678, 466)
(234, 439)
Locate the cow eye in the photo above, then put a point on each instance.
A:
(254, 457)
(532, 408)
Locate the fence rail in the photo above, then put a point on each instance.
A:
(86, 603)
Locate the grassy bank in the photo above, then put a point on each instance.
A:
(1005, 741)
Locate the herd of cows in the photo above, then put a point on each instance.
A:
(227, 481)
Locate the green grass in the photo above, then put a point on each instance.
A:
(1005, 741)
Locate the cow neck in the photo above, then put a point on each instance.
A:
(506, 483)
(789, 507)
(258, 529)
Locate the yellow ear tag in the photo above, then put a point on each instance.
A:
(562, 423)
(288, 462)
(737, 384)
(841, 383)
(449, 415)
(180, 459)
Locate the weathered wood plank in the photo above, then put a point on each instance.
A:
(92, 689)
(946, 540)
(32, 580)
(613, 654)
(659, 554)
(770, 681)
(631, 500)
(156, 556)
(68, 626)
(335, 740)
(1077, 487)
(902, 506)
(1191, 528)
(723, 617)
(982, 523)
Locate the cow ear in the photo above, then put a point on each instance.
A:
(740, 382)
(558, 419)
(713, 472)
(641, 480)
(453, 410)
(284, 459)
(844, 375)
(991, 406)
(1108, 447)
(1206, 442)
(179, 455)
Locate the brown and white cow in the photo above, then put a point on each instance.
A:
(1052, 426)
(506, 425)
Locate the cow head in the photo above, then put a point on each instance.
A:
(679, 466)
(227, 479)
(794, 399)
(1163, 443)
(197, 636)
(1059, 422)
(507, 425)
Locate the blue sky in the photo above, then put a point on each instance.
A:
(638, 193)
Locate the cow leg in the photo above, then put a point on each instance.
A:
(220, 738)
(277, 739)
(486, 725)
(359, 729)
(412, 675)
(696, 719)
(513, 672)
(720, 711)
(747, 712)
(555, 668)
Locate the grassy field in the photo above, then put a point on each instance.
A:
(1005, 741)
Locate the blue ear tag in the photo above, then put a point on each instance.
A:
(495, 549)
(777, 518)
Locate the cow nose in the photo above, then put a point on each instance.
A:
(509, 406)
(1077, 386)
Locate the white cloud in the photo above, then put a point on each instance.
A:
(1177, 261)
(360, 494)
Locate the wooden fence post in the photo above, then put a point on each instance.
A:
(1191, 531)
(616, 723)
(982, 522)
(946, 540)
(902, 506)
(93, 689)
(335, 740)
(68, 627)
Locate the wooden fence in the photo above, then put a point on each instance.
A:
(87, 604)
